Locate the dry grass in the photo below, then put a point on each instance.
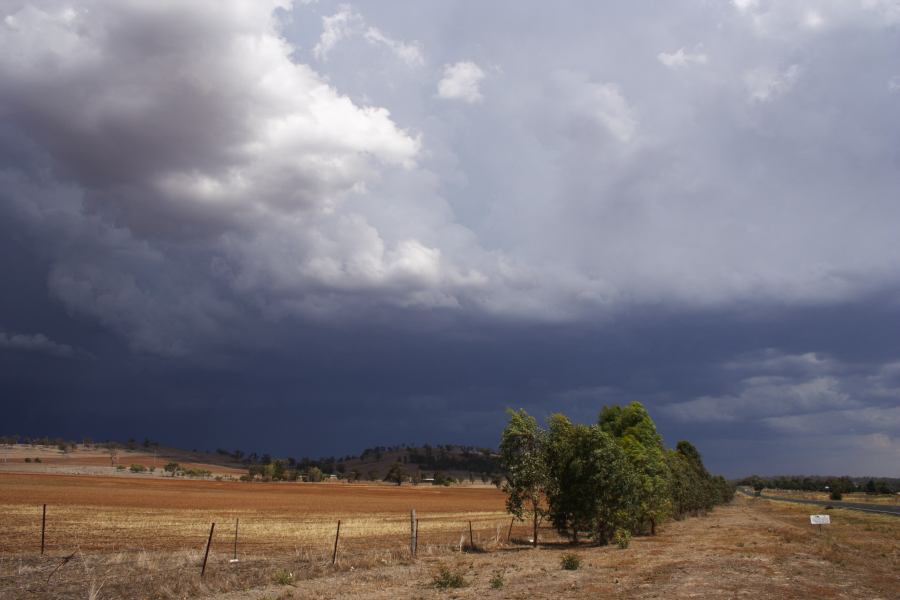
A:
(857, 497)
(149, 535)
(127, 549)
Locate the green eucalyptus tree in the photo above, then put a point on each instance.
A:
(636, 434)
(523, 461)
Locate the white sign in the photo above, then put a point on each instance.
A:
(820, 519)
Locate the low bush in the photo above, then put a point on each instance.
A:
(38, 459)
(283, 577)
(622, 538)
(27, 459)
(836, 495)
(497, 580)
(446, 578)
(570, 561)
(138, 468)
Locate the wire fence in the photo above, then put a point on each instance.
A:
(158, 554)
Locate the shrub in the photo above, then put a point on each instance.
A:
(570, 561)
(283, 577)
(497, 580)
(138, 468)
(27, 459)
(120, 467)
(622, 538)
(836, 495)
(446, 578)
(38, 459)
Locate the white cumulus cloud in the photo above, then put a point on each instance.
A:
(681, 58)
(461, 81)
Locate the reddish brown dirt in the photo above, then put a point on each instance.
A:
(299, 498)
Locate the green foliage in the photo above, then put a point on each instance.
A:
(138, 468)
(570, 561)
(445, 578)
(522, 455)
(396, 474)
(622, 538)
(591, 485)
(636, 434)
(497, 580)
(612, 479)
(836, 495)
(172, 467)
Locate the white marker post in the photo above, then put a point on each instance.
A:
(820, 520)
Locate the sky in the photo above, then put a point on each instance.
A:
(310, 227)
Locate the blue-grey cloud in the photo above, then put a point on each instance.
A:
(401, 197)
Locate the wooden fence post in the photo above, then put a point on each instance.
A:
(509, 533)
(43, 528)
(337, 536)
(413, 532)
(237, 523)
(206, 555)
(471, 538)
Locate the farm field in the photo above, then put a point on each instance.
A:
(860, 497)
(162, 525)
(750, 548)
(133, 538)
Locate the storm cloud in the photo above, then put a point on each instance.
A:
(388, 222)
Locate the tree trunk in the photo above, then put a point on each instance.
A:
(534, 538)
(652, 526)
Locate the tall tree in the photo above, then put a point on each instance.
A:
(591, 484)
(523, 462)
(636, 434)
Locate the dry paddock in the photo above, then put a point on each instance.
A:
(149, 536)
(127, 538)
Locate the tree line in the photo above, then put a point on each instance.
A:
(817, 483)
(606, 480)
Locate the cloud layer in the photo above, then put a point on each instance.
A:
(218, 179)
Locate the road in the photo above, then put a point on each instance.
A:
(884, 509)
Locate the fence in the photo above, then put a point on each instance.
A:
(70, 551)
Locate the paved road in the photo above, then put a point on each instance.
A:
(884, 509)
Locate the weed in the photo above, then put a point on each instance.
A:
(446, 578)
(570, 561)
(622, 538)
(497, 580)
(283, 577)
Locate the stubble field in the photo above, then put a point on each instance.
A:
(141, 538)
(122, 530)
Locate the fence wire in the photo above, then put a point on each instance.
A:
(81, 553)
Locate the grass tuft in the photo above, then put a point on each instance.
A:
(497, 580)
(570, 561)
(283, 577)
(445, 579)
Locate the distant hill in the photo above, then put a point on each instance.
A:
(446, 461)
(442, 462)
